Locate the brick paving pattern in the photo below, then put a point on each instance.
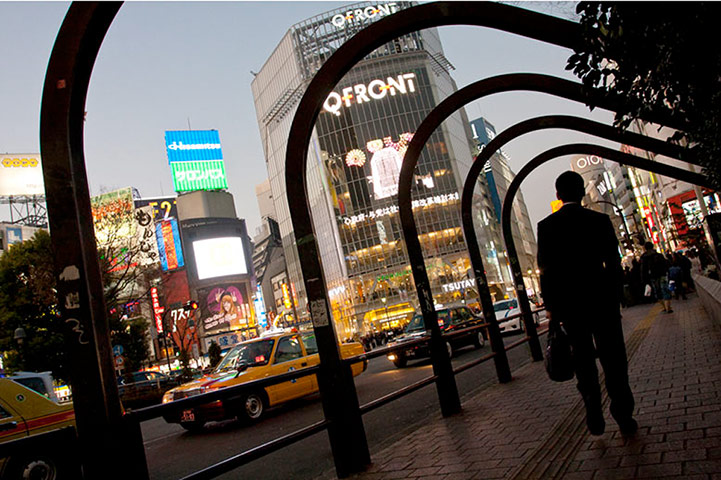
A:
(534, 428)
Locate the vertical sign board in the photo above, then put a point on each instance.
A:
(169, 246)
(259, 304)
(157, 309)
(196, 160)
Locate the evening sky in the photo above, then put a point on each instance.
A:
(174, 65)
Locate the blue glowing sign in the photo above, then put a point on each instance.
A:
(169, 246)
(193, 145)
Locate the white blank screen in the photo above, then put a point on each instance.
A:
(218, 257)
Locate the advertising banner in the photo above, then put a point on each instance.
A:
(145, 236)
(164, 208)
(193, 145)
(21, 174)
(226, 307)
(192, 176)
(169, 246)
(196, 160)
(113, 215)
(14, 235)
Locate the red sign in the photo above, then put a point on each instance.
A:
(157, 309)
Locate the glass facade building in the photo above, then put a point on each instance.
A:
(354, 161)
(498, 176)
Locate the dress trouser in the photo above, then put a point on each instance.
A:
(607, 335)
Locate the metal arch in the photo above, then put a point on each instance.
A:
(536, 124)
(587, 149)
(101, 432)
(502, 83)
(336, 385)
(347, 436)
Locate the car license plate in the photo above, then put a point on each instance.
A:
(187, 416)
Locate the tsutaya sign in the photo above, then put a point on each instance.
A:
(361, 15)
(375, 90)
(462, 285)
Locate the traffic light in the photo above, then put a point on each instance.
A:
(190, 306)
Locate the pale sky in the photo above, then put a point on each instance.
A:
(167, 65)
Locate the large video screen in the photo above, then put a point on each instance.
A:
(219, 257)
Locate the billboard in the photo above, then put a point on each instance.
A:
(196, 160)
(164, 208)
(219, 257)
(21, 174)
(192, 176)
(169, 246)
(14, 235)
(193, 145)
(145, 236)
(226, 307)
(113, 215)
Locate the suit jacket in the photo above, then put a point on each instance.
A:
(580, 265)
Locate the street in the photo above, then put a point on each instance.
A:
(173, 453)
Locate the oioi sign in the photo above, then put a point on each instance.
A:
(196, 160)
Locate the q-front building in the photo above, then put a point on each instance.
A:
(354, 160)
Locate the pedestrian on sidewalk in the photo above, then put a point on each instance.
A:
(581, 281)
(676, 278)
(654, 269)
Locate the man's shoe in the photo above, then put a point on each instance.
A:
(628, 427)
(596, 424)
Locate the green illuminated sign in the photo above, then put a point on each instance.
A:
(198, 175)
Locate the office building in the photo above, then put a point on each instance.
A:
(354, 160)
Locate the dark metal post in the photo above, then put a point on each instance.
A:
(79, 286)
(448, 396)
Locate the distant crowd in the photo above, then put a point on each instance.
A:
(657, 277)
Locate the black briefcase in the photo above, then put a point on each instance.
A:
(559, 356)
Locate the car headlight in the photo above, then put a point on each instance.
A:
(392, 356)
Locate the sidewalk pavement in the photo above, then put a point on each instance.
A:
(533, 428)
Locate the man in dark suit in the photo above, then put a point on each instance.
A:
(582, 284)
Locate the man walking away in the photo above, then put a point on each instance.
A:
(581, 281)
(654, 270)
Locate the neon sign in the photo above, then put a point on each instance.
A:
(198, 175)
(456, 286)
(375, 90)
(360, 15)
(584, 162)
(157, 309)
(192, 145)
(388, 211)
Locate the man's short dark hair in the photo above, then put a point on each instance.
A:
(648, 246)
(569, 187)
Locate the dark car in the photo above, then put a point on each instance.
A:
(139, 389)
(450, 320)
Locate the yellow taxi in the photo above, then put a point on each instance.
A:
(24, 412)
(262, 357)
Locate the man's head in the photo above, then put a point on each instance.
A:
(569, 187)
(648, 246)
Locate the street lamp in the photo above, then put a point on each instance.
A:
(383, 299)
